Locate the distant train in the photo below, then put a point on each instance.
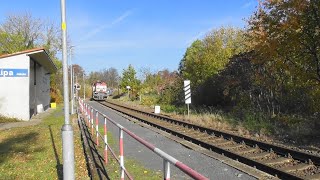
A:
(99, 91)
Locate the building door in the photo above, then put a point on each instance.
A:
(32, 85)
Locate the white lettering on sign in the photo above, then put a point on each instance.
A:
(13, 72)
(5, 73)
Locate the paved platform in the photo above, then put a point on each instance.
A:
(209, 167)
(33, 121)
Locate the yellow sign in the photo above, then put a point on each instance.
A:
(53, 105)
(63, 26)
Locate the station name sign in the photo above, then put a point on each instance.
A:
(13, 73)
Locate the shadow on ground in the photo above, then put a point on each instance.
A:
(59, 166)
(17, 144)
(95, 162)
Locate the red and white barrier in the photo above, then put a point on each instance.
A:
(121, 153)
(167, 159)
(92, 130)
(105, 141)
(97, 128)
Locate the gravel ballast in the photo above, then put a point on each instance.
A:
(209, 167)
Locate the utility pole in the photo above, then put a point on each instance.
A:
(67, 130)
(71, 80)
(76, 87)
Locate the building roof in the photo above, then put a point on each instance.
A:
(39, 55)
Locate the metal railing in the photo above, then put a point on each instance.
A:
(89, 114)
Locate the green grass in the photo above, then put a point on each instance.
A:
(35, 152)
(4, 119)
(135, 169)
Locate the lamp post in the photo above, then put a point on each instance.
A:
(67, 129)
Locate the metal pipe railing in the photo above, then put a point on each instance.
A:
(90, 117)
(167, 159)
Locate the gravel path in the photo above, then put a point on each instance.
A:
(205, 165)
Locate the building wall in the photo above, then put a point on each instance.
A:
(39, 87)
(14, 91)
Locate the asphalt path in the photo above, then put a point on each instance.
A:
(209, 167)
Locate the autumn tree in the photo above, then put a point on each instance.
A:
(205, 58)
(23, 31)
(286, 36)
(111, 77)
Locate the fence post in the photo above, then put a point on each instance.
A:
(166, 168)
(85, 112)
(82, 102)
(92, 122)
(97, 128)
(81, 107)
(105, 141)
(121, 154)
(88, 118)
(88, 115)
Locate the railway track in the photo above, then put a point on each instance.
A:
(278, 161)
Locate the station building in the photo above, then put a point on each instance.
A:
(25, 83)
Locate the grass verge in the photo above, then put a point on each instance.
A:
(135, 169)
(4, 119)
(35, 152)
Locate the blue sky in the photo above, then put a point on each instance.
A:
(145, 33)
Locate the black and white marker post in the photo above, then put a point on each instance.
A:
(187, 93)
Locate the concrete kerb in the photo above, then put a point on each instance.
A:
(35, 120)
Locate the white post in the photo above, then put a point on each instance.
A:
(166, 169)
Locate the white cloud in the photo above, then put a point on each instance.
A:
(247, 4)
(227, 21)
(106, 26)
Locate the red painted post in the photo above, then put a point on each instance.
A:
(81, 106)
(92, 132)
(121, 154)
(89, 116)
(105, 141)
(97, 128)
(87, 113)
(82, 102)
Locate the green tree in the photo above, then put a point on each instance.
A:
(129, 79)
(10, 43)
(205, 58)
